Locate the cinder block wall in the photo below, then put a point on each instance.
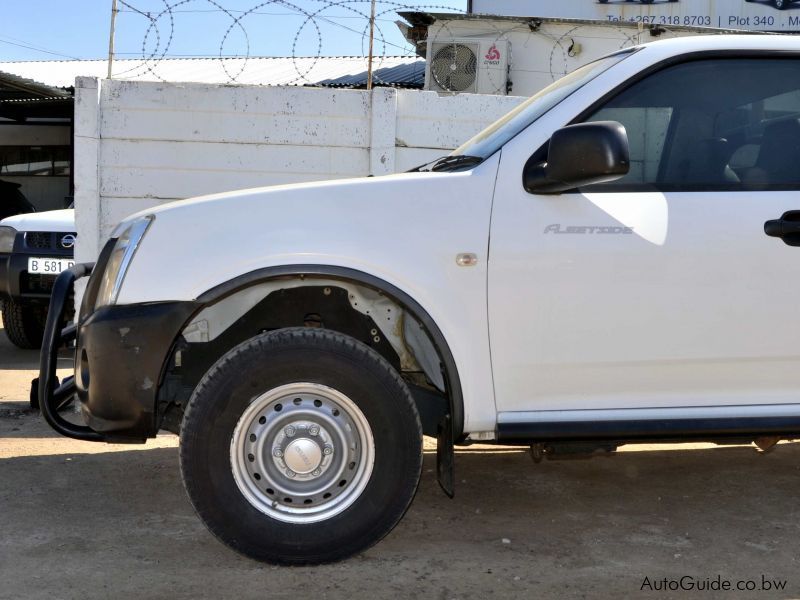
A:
(140, 144)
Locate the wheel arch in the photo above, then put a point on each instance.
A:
(453, 389)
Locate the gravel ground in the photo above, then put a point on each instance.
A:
(83, 520)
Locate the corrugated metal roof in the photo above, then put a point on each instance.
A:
(16, 87)
(411, 75)
(22, 98)
(251, 71)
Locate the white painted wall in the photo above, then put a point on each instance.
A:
(140, 144)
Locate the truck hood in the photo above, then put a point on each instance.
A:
(387, 226)
(52, 220)
(270, 198)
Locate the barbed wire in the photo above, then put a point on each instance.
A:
(161, 27)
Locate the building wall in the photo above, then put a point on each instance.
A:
(13, 134)
(541, 56)
(139, 144)
(45, 193)
(759, 16)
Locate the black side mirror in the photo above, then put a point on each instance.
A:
(579, 155)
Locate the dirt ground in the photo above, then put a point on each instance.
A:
(83, 520)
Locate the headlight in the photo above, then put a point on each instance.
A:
(119, 260)
(7, 235)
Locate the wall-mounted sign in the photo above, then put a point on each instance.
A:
(763, 15)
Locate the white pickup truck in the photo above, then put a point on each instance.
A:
(612, 262)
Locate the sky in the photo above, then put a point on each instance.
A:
(59, 29)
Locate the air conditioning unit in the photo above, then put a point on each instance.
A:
(473, 66)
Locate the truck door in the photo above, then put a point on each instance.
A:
(660, 289)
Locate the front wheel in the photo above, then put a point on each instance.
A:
(301, 446)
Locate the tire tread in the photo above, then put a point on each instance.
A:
(24, 325)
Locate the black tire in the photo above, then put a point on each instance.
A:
(24, 324)
(271, 361)
(781, 4)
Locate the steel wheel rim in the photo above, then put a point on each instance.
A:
(302, 453)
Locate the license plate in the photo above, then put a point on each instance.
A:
(49, 266)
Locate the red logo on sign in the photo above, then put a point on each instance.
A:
(493, 54)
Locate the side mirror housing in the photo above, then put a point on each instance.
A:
(580, 155)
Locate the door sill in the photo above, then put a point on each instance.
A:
(650, 423)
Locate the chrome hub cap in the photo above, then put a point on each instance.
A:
(302, 450)
(303, 456)
(302, 453)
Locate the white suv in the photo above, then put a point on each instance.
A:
(612, 262)
(34, 249)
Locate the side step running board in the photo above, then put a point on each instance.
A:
(699, 428)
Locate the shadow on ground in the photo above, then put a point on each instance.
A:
(120, 524)
(15, 359)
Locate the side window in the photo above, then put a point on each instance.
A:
(647, 128)
(717, 124)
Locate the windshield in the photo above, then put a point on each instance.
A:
(494, 137)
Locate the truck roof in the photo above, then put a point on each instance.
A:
(710, 42)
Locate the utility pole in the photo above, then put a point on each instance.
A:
(371, 45)
(111, 36)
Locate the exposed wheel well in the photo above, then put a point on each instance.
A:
(350, 302)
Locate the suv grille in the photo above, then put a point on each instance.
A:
(46, 240)
(40, 240)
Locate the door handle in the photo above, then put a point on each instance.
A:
(787, 228)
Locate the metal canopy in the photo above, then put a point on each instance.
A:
(22, 99)
(423, 18)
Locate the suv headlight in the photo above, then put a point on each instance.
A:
(128, 241)
(7, 235)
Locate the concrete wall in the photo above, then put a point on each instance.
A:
(141, 144)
